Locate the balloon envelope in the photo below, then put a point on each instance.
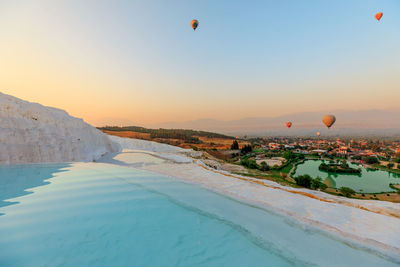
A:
(288, 124)
(379, 15)
(318, 133)
(194, 23)
(329, 120)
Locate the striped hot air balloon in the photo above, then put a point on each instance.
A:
(194, 24)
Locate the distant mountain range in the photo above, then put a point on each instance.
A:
(363, 122)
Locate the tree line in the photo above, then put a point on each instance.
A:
(190, 136)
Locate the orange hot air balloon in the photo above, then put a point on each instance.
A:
(378, 16)
(318, 133)
(288, 124)
(329, 120)
(194, 23)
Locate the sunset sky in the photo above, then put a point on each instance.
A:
(139, 62)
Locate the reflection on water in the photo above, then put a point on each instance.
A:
(368, 181)
(14, 180)
(396, 175)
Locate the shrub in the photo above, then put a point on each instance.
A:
(390, 165)
(318, 184)
(288, 155)
(301, 156)
(304, 180)
(346, 191)
(371, 160)
(249, 163)
(264, 166)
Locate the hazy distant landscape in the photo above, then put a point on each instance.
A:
(363, 122)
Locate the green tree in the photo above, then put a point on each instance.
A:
(318, 184)
(235, 145)
(371, 160)
(346, 191)
(315, 154)
(253, 164)
(300, 156)
(249, 163)
(323, 186)
(315, 183)
(264, 166)
(288, 155)
(390, 165)
(246, 149)
(304, 180)
(344, 164)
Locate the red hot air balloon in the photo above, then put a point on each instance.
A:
(288, 124)
(378, 16)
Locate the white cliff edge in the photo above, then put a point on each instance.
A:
(32, 133)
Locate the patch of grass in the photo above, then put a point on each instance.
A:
(287, 168)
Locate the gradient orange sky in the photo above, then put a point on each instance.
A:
(139, 62)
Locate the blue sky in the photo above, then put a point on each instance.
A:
(139, 61)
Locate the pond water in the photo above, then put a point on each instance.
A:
(368, 181)
(97, 214)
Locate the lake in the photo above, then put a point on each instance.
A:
(369, 181)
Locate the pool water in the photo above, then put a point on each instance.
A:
(97, 214)
(369, 181)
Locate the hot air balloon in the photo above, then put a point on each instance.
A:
(318, 133)
(378, 16)
(194, 23)
(329, 120)
(288, 124)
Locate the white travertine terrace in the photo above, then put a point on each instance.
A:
(32, 133)
(372, 223)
